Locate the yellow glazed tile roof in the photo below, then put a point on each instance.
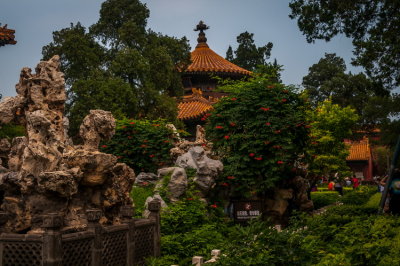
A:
(359, 150)
(193, 106)
(206, 60)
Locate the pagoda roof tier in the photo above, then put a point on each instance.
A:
(194, 106)
(7, 36)
(205, 60)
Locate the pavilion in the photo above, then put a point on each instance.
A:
(199, 80)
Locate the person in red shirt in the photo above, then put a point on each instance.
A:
(355, 181)
(331, 185)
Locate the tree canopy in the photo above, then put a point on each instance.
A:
(247, 54)
(327, 80)
(330, 125)
(373, 26)
(119, 65)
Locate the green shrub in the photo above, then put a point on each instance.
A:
(259, 131)
(142, 144)
(374, 200)
(183, 216)
(139, 194)
(345, 189)
(359, 196)
(322, 199)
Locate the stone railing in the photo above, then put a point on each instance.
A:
(128, 243)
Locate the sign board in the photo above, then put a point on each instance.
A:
(245, 210)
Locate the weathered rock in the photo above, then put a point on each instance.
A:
(5, 148)
(15, 156)
(207, 169)
(200, 134)
(183, 146)
(98, 125)
(146, 178)
(175, 133)
(96, 166)
(120, 185)
(165, 171)
(46, 173)
(10, 108)
(62, 182)
(178, 184)
(146, 211)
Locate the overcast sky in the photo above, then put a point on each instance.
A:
(35, 20)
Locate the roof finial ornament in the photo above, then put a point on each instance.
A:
(202, 36)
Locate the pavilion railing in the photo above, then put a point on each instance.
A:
(128, 243)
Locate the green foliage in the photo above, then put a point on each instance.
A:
(343, 235)
(10, 131)
(80, 54)
(381, 155)
(139, 194)
(183, 216)
(330, 125)
(132, 72)
(322, 199)
(142, 144)
(188, 228)
(197, 242)
(247, 54)
(374, 200)
(369, 23)
(327, 80)
(359, 196)
(259, 131)
(260, 244)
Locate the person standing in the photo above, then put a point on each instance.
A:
(338, 187)
(355, 181)
(331, 185)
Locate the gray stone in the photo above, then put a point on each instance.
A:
(146, 178)
(146, 211)
(165, 171)
(207, 169)
(178, 184)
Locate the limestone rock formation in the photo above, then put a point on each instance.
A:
(177, 184)
(183, 146)
(96, 126)
(145, 178)
(207, 169)
(294, 195)
(45, 173)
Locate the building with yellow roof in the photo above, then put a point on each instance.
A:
(360, 158)
(198, 80)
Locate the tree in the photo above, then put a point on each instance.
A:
(373, 26)
(260, 131)
(330, 125)
(247, 54)
(327, 80)
(135, 68)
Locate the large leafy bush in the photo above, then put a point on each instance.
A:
(260, 131)
(142, 144)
